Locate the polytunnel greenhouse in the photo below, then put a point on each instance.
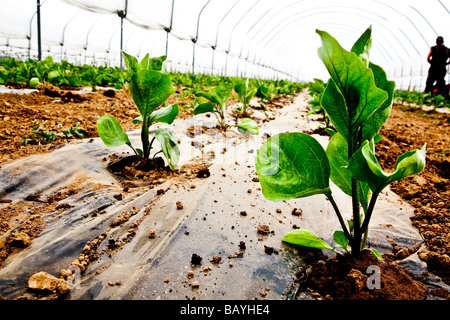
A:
(224, 150)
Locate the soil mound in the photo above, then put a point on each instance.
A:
(361, 278)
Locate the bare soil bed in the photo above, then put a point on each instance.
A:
(428, 192)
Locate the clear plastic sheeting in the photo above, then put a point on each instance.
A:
(251, 38)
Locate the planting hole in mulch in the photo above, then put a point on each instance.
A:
(363, 277)
(133, 171)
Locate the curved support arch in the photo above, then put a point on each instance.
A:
(217, 32)
(196, 35)
(232, 31)
(64, 32)
(168, 29)
(278, 29)
(87, 37)
(273, 43)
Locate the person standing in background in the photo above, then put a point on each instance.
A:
(438, 58)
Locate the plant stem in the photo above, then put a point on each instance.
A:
(353, 144)
(217, 117)
(356, 243)
(144, 137)
(134, 150)
(370, 208)
(338, 213)
(156, 154)
(222, 114)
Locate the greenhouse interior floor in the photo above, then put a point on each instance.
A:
(204, 231)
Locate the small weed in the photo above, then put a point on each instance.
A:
(40, 135)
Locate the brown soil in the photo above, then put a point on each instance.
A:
(429, 191)
(355, 278)
(18, 113)
(26, 219)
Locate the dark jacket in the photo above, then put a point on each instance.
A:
(439, 57)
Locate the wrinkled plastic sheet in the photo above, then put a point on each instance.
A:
(211, 222)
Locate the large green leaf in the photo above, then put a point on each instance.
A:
(208, 96)
(169, 146)
(248, 125)
(305, 238)
(334, 104)
(337, 152)
(111, 132)
(292, 165)
(131, 62)
(353, 81)
(148, 63)
(362, 46)
(149, 89)
(364, 166)
(244, 91)
(222, 92)
(262, 92)
(374, 123)
(204, 107)
(240, 87)
(165, 115)
(155, 63)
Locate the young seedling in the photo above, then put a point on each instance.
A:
(248, 126)
(358, 99)
(217, 102)
(149, 88)
(244, 92)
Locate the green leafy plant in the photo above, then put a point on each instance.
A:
(217, 102)
(34, 82)
(73, 131)
(358, 99)
(149, 89)
(244, 92)
(40, 135)
(316, 90)
(91, 75)
(248, 126)
(414, 98)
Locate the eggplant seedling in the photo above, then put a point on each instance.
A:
(217, 102)
(244, 92)
(149, 88)
(358, 99)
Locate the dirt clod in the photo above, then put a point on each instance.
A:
(196, 259)
(44, 281)
(216, 259)
(18, 239)
(268, 250)
(263, 229)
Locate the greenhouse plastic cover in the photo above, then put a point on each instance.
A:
(247, 38)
